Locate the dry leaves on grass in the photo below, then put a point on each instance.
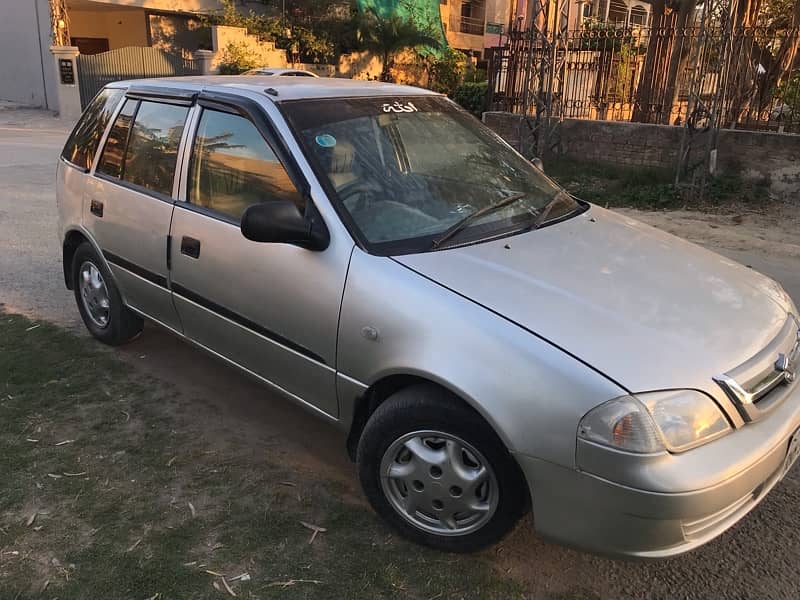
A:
(291, 582)
(315, 528)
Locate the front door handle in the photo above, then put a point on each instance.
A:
(190, 247)
(96, 208)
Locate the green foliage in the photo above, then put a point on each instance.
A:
(446, 72)
(236, 58)
(389, 36)
(311, 31)
(789, 94)
(475, 75)
(648, 188)
(311, 46)
(472, 96)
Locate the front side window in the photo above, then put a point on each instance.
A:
(408, 170)
(82, 143)
(142, 146)
(232, 167)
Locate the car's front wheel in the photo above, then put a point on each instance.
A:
(99, 301)
(436, 471)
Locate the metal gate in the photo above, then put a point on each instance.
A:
(133, 62)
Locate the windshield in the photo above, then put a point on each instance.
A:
(406, 171)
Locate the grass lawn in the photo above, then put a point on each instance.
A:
(109, 491)
(649, 188)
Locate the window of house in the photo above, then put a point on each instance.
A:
(233, 167)
(638, 15)
(82, 143)
(146, 152)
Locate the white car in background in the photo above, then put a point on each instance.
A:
(280, 72)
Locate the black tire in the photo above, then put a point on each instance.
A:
(428, 407)
(123, 325)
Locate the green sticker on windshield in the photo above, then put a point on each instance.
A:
(325, 140)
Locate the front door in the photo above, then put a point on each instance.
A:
(270, 308)
(130, 200)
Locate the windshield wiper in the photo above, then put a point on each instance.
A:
(543, 214)
(459, 225)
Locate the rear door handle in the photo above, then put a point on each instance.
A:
(190, 247)
(96, 208)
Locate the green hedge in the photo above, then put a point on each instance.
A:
(472, 96)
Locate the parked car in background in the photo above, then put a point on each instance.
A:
(491, 344)
(280, 72)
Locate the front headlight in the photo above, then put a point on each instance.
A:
(653, 422)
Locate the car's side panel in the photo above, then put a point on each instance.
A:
(530, 392)
(70, 190)
(272, 308)
(132, 234)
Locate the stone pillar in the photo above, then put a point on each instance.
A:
(203, 58)
(69, 94)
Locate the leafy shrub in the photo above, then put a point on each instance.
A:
(236, 58)
(446, 72)
(472, 96)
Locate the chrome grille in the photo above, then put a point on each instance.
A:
(750, 385)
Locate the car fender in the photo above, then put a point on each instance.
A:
(396, 322)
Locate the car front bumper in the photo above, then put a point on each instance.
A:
(647, 520)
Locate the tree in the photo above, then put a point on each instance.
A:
(389, 36)
(762, 46)
(765, 49)
(667, 53)
(59, 23)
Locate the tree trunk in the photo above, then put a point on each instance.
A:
(782, 63)
(385, 69)
(646, 106)
(681, 49)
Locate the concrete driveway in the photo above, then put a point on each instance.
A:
(756, 559)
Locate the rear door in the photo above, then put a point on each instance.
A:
(270, 308)
(130, 201)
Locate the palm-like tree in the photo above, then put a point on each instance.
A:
(59, 23)
(389, 36)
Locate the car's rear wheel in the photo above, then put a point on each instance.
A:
(436, 471)
(99, 301)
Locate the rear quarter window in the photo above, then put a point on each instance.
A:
(84, 139)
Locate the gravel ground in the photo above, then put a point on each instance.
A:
(759, 558)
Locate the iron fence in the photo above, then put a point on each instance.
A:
(659, 74)
(133, 62)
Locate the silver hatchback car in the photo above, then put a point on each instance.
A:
(491, 344)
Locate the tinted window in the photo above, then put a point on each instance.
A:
(146, 152)
(233, 167)
(112, 160)
(153, 146)
(82, 144)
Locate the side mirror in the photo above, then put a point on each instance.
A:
(537, 162)
(281, 222)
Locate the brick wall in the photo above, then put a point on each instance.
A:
(770, 157)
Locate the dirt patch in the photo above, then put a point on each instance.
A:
(774, 231)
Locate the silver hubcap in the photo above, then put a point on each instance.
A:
(94, 294)
(439, 483)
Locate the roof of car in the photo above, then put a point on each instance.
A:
(283, 88)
